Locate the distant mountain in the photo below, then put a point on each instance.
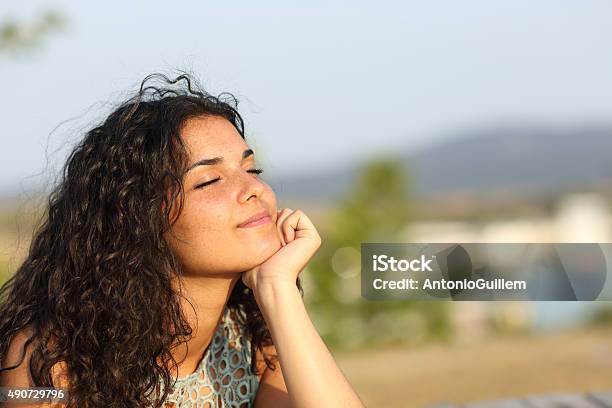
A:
(528, 160)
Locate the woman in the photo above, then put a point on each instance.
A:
(164, 275)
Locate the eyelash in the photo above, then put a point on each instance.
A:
(255, 171)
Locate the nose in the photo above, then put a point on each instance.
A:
(252, 186)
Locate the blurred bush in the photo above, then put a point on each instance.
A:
(602, 316)
(376, 209)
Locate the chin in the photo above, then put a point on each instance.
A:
(263, 249)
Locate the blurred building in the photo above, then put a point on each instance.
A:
(584, 217)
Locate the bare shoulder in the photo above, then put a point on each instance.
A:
(20, 376)
(272, 389)
(260, 362)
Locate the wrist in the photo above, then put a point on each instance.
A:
(271, 293)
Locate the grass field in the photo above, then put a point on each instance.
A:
(578, 361)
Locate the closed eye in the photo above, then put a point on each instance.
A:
(255, 171)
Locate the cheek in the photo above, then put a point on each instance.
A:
(269, 196)
(205, 230)
(203, 218)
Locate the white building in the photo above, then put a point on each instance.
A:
(578, 218)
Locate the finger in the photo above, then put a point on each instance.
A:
(288, 226)
(298, 225)
(282, 215)
(278, 231)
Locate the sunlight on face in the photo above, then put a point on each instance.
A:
(208, 224)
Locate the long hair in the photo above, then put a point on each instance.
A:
(96, 286)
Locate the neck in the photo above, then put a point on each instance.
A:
(203, 301)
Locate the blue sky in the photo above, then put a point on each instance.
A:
(320, 84)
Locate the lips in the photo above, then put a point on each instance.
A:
(257, 217)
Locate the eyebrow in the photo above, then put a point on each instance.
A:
(217, 160)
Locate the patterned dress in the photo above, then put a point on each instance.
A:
(224, 377)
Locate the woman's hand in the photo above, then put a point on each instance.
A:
(299, 239)
(309, 371)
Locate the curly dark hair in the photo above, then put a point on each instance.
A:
(95, 287)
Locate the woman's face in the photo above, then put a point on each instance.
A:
(214, 242)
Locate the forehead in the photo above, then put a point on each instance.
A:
(211, 136)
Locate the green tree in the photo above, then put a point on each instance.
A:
(376, 209)
(18, 37)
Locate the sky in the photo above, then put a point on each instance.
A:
(320, 84)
